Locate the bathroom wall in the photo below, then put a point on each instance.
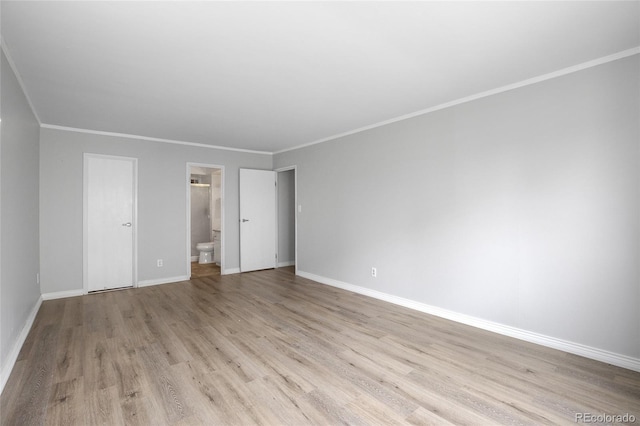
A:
(214, 178)
(216, 201)
(162, 213)
(201, 217)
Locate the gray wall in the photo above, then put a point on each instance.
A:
(520, 208)
(19, 290)
(286, 216)
(161, 203)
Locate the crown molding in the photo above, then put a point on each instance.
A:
(528, 82)
(150, 139)
(12, 64)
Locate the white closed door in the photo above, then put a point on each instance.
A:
(257, 219)
(109, 222)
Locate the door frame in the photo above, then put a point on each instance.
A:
(85, 216)
(188, 214)
(295, 214)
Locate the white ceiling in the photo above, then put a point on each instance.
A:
(269, 76)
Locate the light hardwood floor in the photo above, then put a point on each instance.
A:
(201, 270)
(272, 348)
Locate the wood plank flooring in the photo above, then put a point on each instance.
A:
(275, 349)
(201, 270)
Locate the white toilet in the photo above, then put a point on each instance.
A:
(206, 252)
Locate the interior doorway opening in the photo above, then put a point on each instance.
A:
(287, 235)
(205, 220)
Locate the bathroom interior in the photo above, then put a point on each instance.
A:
(206, 221)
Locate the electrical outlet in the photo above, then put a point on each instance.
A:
(374, 272)
(160, 263)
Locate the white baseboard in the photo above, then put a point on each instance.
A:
(15, 349)
(285, 264)
(194, 258)
(158, 281)
(62, 294)
(529, 336)
(230, 271)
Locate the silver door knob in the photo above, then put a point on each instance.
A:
(128, 224)
(245, 220)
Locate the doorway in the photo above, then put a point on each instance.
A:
(268, 226)
(287, 213)
(205, 220)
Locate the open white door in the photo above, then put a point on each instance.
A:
(109, 222)
(257, 219)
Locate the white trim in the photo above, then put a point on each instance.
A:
(229, 271)
(534, 80)
(63, 294)
(85, 222)
(285, 264)
(158, 281)
(188, 213)
(529, 336)
(150, 139)
(194, 258)
(12, 64)
(528, 82)
(12, 356)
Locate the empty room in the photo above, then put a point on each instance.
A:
(323, 213)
